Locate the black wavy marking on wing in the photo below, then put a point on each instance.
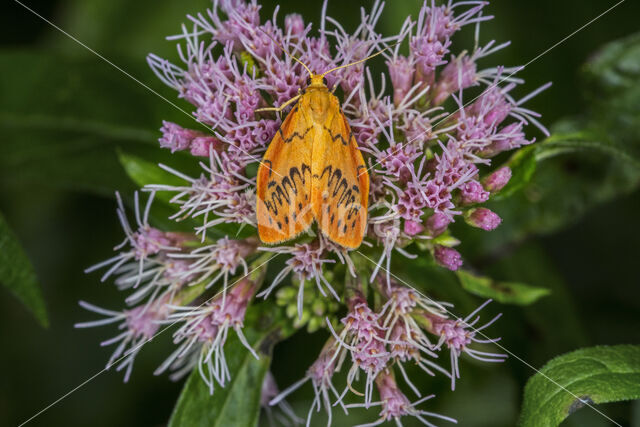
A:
(269, 165)
(339, 136)
(339, 187)
(294, 135)
(280, 192)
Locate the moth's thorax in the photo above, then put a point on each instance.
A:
(319, 103)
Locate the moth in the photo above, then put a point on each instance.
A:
(313, 170)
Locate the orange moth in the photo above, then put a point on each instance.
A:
(313, 170)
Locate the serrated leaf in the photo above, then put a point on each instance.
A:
(504, 292)
(590, 375)
(17, 274)
(238, 403)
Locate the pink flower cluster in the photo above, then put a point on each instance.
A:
(429, 148)
(409, 327)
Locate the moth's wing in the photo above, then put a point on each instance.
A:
(340, 189)
(284, 182)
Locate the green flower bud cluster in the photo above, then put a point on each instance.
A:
(315, 306)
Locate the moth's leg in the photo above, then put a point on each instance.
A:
(282, 107)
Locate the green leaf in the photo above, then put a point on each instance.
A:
(504, 292)
(592, 375)
(18, 275)
(238, 403)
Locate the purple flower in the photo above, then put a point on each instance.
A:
(225, 195)
(204, 332)
(294, 25)
(320, 373)
(406, 339)
(396, 405)
(306, 262)
(459, 74)
(140, 325)
(401, 72)
(412, 228)
(144, 262)
(459, 334)
(177, 138)
(210, 263)
(363, 338)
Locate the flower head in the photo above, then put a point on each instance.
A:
(459, 334)
(320, 373)
(363, 338)
(140, 325)
(428, 146)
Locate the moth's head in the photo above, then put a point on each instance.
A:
(317, 81)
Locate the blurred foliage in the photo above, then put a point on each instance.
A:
(63, 130)
(75, 129)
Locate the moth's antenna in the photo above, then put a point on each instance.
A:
(287, 53)
(360, 61)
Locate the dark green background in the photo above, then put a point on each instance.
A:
(66, 228)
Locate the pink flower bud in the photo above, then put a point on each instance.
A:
(460, 73)
(497, 180)
(436, 224)
(294, 24)
(412, 227)
(447, 257)
(395, 404)
(483, 218)
(175, 137)
(401, 71)
(200, 146)
(472, 192)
